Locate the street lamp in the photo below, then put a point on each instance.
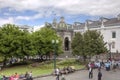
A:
(110, 44)
(55, 42)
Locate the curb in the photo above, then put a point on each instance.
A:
(42, 76)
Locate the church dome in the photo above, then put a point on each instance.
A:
(62, 24)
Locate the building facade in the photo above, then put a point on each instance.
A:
(109, 28)
(65, 31)
(26, 28)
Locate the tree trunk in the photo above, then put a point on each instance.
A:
(84, 58)
(4, 62)
(89, 58)
(11, 61)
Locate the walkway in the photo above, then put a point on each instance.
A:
(83, 75)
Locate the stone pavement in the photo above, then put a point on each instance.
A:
(83, 75)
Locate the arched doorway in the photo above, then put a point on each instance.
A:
(66, 43)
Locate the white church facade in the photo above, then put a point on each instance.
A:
(109, 28)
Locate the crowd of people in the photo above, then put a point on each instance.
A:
(16, 76)
(65, 70)
(107, 65)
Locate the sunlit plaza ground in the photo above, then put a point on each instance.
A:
(83, 75)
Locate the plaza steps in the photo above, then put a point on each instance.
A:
(66, 54)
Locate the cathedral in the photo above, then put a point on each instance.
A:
(109, 28)
(65, 31)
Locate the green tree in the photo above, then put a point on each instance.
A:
(8, 34)
(14, 42)
(93, 42)
(78, 44)
(43, 41)
(89, 43)
(26, 47)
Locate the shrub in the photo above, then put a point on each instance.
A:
(66, 62)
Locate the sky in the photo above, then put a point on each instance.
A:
(37, 12)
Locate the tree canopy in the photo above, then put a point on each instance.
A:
(43, 41)
(77, 44)
(89, 43)
(17, 43)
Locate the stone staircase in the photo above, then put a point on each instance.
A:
(66, 54)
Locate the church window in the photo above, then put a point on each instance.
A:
(114, 34)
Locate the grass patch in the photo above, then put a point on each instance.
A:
(23, 69)
(41, 68)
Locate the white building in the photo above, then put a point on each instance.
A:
(26, 28)
(109, 28)
(30, 28)
(36, 28)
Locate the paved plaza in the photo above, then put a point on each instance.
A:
(83, 75)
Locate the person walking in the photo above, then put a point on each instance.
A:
(90, 73)
(114, 66)
(57, 73)
(107, 66)
(99, 74)
(119, 64)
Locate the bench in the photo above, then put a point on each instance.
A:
(66, 70)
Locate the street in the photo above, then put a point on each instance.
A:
(83, 75)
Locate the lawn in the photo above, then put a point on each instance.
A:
(40, 68)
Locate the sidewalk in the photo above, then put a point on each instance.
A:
(47, 75)
(83, 75)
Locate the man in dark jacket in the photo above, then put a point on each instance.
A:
(99, 74)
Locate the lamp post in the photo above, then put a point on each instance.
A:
(110, 44)
(55, 42)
